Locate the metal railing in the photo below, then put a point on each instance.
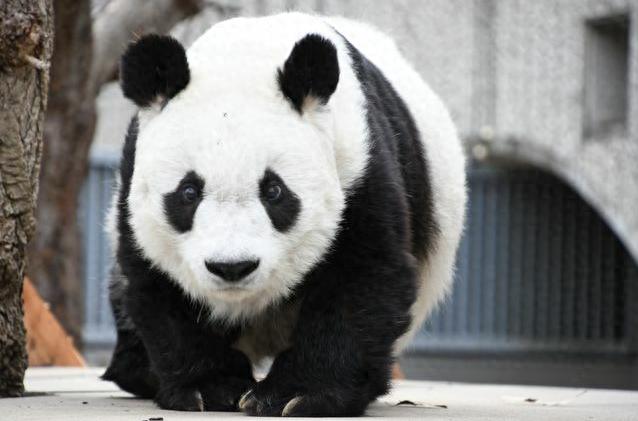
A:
(99, 327)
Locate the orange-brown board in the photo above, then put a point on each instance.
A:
(47, 342)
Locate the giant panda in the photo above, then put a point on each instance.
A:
(290, 189)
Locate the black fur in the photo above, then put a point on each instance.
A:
(353, 305)
(406, 149)
(130, 366)
(282, 213)
(180, 213)
(153, 68)
(312, 69)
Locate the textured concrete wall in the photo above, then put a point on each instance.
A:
(539, 103)
(512, 73)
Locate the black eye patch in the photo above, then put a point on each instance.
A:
(180, 205)
(281, 204)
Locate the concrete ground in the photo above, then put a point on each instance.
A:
(70, 394)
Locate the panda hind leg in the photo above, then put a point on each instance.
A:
(130, 367)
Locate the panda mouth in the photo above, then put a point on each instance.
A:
(242, 287)
(234, 293)
(232, 288)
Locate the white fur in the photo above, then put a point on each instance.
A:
(231, 122)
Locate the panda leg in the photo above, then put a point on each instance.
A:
(194, 363)
(341, 354)
(130, 368)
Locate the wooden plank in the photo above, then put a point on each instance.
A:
(47, 342)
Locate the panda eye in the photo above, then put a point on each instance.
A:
(273, 192)
(189, 193)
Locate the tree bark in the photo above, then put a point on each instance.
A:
(85, 56)
(25, 50)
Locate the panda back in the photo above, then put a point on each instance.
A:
(443, 157)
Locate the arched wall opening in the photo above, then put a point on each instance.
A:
(545, 292)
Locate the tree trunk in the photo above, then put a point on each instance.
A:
(25, 50)
(55, 252)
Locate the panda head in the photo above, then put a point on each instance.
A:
(235, 192)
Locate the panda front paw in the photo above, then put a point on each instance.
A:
(268, 400)
(180, 399)
(224, 393)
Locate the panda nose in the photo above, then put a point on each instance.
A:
(232, 271)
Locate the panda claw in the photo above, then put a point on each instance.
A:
(291, 405)
(243, 401)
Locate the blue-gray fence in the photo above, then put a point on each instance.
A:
(538, 270)
(99, 327)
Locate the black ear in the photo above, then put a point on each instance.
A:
(153, 68)
(311, 70)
